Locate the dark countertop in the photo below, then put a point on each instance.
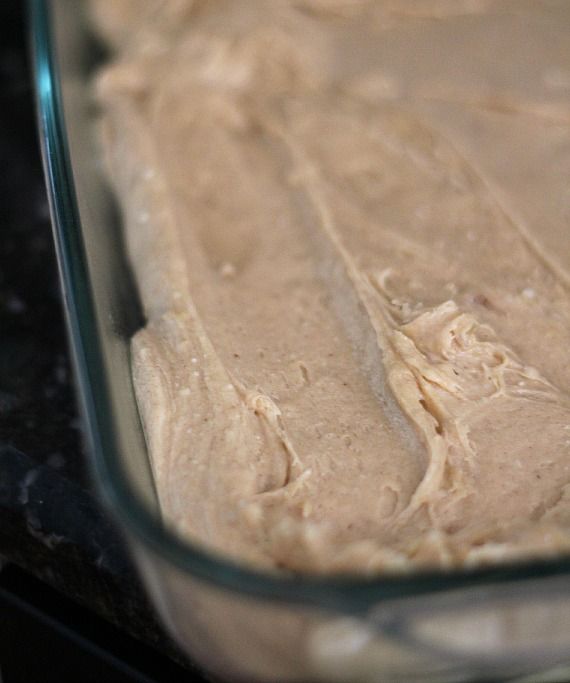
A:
(51, 524)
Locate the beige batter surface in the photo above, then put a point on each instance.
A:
(349, 223)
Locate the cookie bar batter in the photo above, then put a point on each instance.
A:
(348, 222)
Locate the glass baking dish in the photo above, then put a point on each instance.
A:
(240, 624)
